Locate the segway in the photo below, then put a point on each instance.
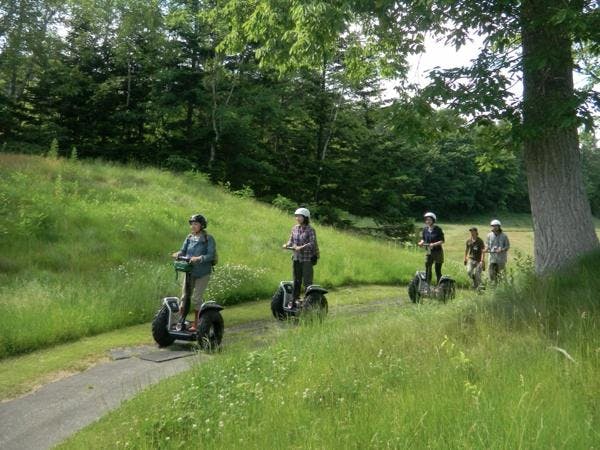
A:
(313, 305)
(170, 322)
(419, 287)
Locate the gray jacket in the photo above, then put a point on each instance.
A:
(497, 242)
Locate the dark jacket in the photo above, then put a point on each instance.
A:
(435, 235)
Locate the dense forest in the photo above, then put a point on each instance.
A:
(149, 82)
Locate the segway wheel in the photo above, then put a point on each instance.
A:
(210, 330)
(160, 331)
(315, 307)
(277, 304)
(413, 290)
(446, 290)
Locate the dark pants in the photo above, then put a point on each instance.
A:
(303, 274)
(495, 271)
(438, 259)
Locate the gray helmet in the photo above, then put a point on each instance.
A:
(200, 219)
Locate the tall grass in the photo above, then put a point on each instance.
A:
(481, 373)
(85, 247)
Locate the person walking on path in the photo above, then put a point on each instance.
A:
(432, 238)
(497, 245)
(200, 247)
(474, 257)
(303, 242)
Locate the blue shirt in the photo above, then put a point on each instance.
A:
(200, 245)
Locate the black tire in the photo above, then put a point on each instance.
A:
(160, 324)
(315, 307)
(210, 330)
(277, 304)
(413, 290)
(446, 290)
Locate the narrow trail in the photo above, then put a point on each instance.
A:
(54, 412)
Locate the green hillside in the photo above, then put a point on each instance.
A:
(86, 247)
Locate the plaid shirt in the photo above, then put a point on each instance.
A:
(300, 236)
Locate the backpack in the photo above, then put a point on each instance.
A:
(216, 257)
(315, 259)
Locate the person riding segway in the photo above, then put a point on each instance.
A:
(200, 249)
(286, 302)
(432, 237)
(303, 242)
(195, 260)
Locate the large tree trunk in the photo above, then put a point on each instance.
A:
(562, 218)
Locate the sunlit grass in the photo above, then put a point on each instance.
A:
(481, 372)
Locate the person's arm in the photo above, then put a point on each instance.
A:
(422, 241)
(507, 243)
(182, 250)
(209, 256)
(288, 244)
(466, 251)
(311, 239)
(440, 238)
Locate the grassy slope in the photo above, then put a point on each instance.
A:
(479, 373)
(85, 247)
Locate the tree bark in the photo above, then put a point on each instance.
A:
(562, 217)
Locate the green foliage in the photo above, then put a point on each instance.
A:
(284, 203)
(282, 98)
(53, 151)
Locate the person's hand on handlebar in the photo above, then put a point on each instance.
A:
(421, 242)
(176, 255)
(194, 259)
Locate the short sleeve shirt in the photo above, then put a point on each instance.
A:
(474, 248)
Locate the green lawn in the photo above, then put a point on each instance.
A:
(482, 372)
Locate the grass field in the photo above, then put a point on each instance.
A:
(516, 369)
(86, 245)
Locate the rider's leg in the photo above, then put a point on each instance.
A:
(428, 264)
(477, 275)
(493, 272)
(438, 271)
(307, 273)
(186, 295)
(297, 273)
(199, 286)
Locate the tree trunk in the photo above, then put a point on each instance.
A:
(562, 218)
(214, 145)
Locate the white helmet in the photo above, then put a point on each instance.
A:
(495, 222)
(302, 212)
(430, 214)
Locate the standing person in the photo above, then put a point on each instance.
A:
(303, 241)
(497, 246)
(433, 238)
(200, 247)
(474, 252)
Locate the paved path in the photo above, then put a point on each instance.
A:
(54, 412)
